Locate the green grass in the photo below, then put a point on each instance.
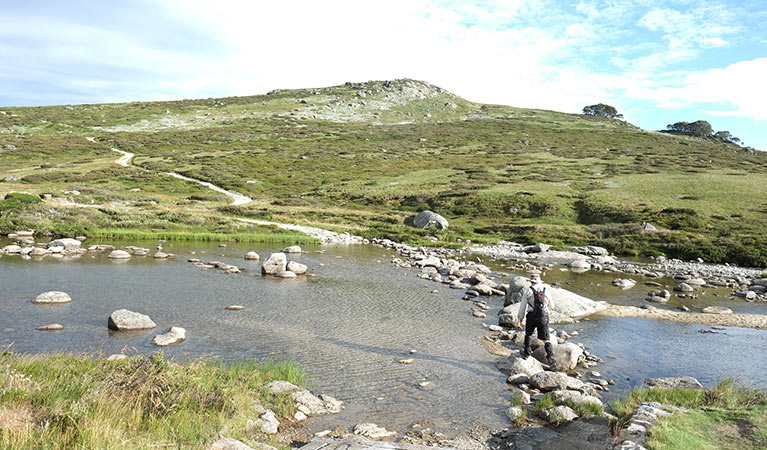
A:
(726, 417)
(64, 401)
(495, 172)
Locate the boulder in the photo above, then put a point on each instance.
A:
(567, 305)
(427, 219)
(536, 248)
(67, 243)
(274, 264)
(12, 249)
(122, 319)
(717, 310)
(648, 228)
(159, 255)
(52, 297)
(292, 249)
(307, 403)
(118, 254)
(552, 381)
(286, 274)
(296, 267)
(37, 251)
(566, 356)
(560, 414)
(235, 307)
(674, 383)
(577, 398)
(252, 256)
(51, 327)
(579, 265)
(175, 335)
(373, 431)
(683, 287)
(515, 364)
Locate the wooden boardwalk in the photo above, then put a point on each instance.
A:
(358, 443)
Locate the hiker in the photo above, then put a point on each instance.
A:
(537, 298)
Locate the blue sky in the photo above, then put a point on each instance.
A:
(658, 62)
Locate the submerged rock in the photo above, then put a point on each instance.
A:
(122, 319)
(51, 327)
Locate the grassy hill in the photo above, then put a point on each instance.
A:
(363, 157)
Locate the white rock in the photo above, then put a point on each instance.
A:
(122, 319)
(292, 249)
(296, 267)
(52, 297)
(373, 431)
(118, 254)
(51, 327)
(174, 335)
(268, 422)
(274, 264)
(252, 256)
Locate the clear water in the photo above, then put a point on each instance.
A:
(347, 326)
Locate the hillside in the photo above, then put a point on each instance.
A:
(363, 157)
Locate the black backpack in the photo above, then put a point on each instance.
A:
(539, 301)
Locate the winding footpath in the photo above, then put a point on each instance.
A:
(124, 160)
(238, 199)
(325, 236)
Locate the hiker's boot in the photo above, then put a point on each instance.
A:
(527, 351)
(550, 355)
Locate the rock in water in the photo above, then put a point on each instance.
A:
(426, 219)
(567, 305)
(514, 413)
(160, 255)
(274, 264)
(292, 249)
(67, 243)
(296, 267)
(252, 256)
(286, 274)
(175, 335)
(235, 307)
(122, 319)
(118, 254)
(560, 413)
(373, 431)
(52, 297)
(51, 327)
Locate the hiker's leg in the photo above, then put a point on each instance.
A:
(530, 324)
(543, 334)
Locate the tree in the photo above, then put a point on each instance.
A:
(726, 136)
(602, 110)
(699, 128)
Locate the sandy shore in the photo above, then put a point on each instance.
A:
(756, 321)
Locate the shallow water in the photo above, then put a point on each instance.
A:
(347, 326)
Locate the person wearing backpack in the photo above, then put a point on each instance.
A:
(537, 299)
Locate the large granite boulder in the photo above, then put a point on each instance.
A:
(566, 356)
(561, 396)
(427, 219)
(122, 319)
(515, 365)
(567, 305)
(274, 264)
(52, 297)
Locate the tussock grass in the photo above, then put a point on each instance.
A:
(65, 401)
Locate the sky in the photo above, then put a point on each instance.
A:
(658, 62)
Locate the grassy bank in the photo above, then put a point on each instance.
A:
(726, 417)
(65, 402)
(365, 157)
